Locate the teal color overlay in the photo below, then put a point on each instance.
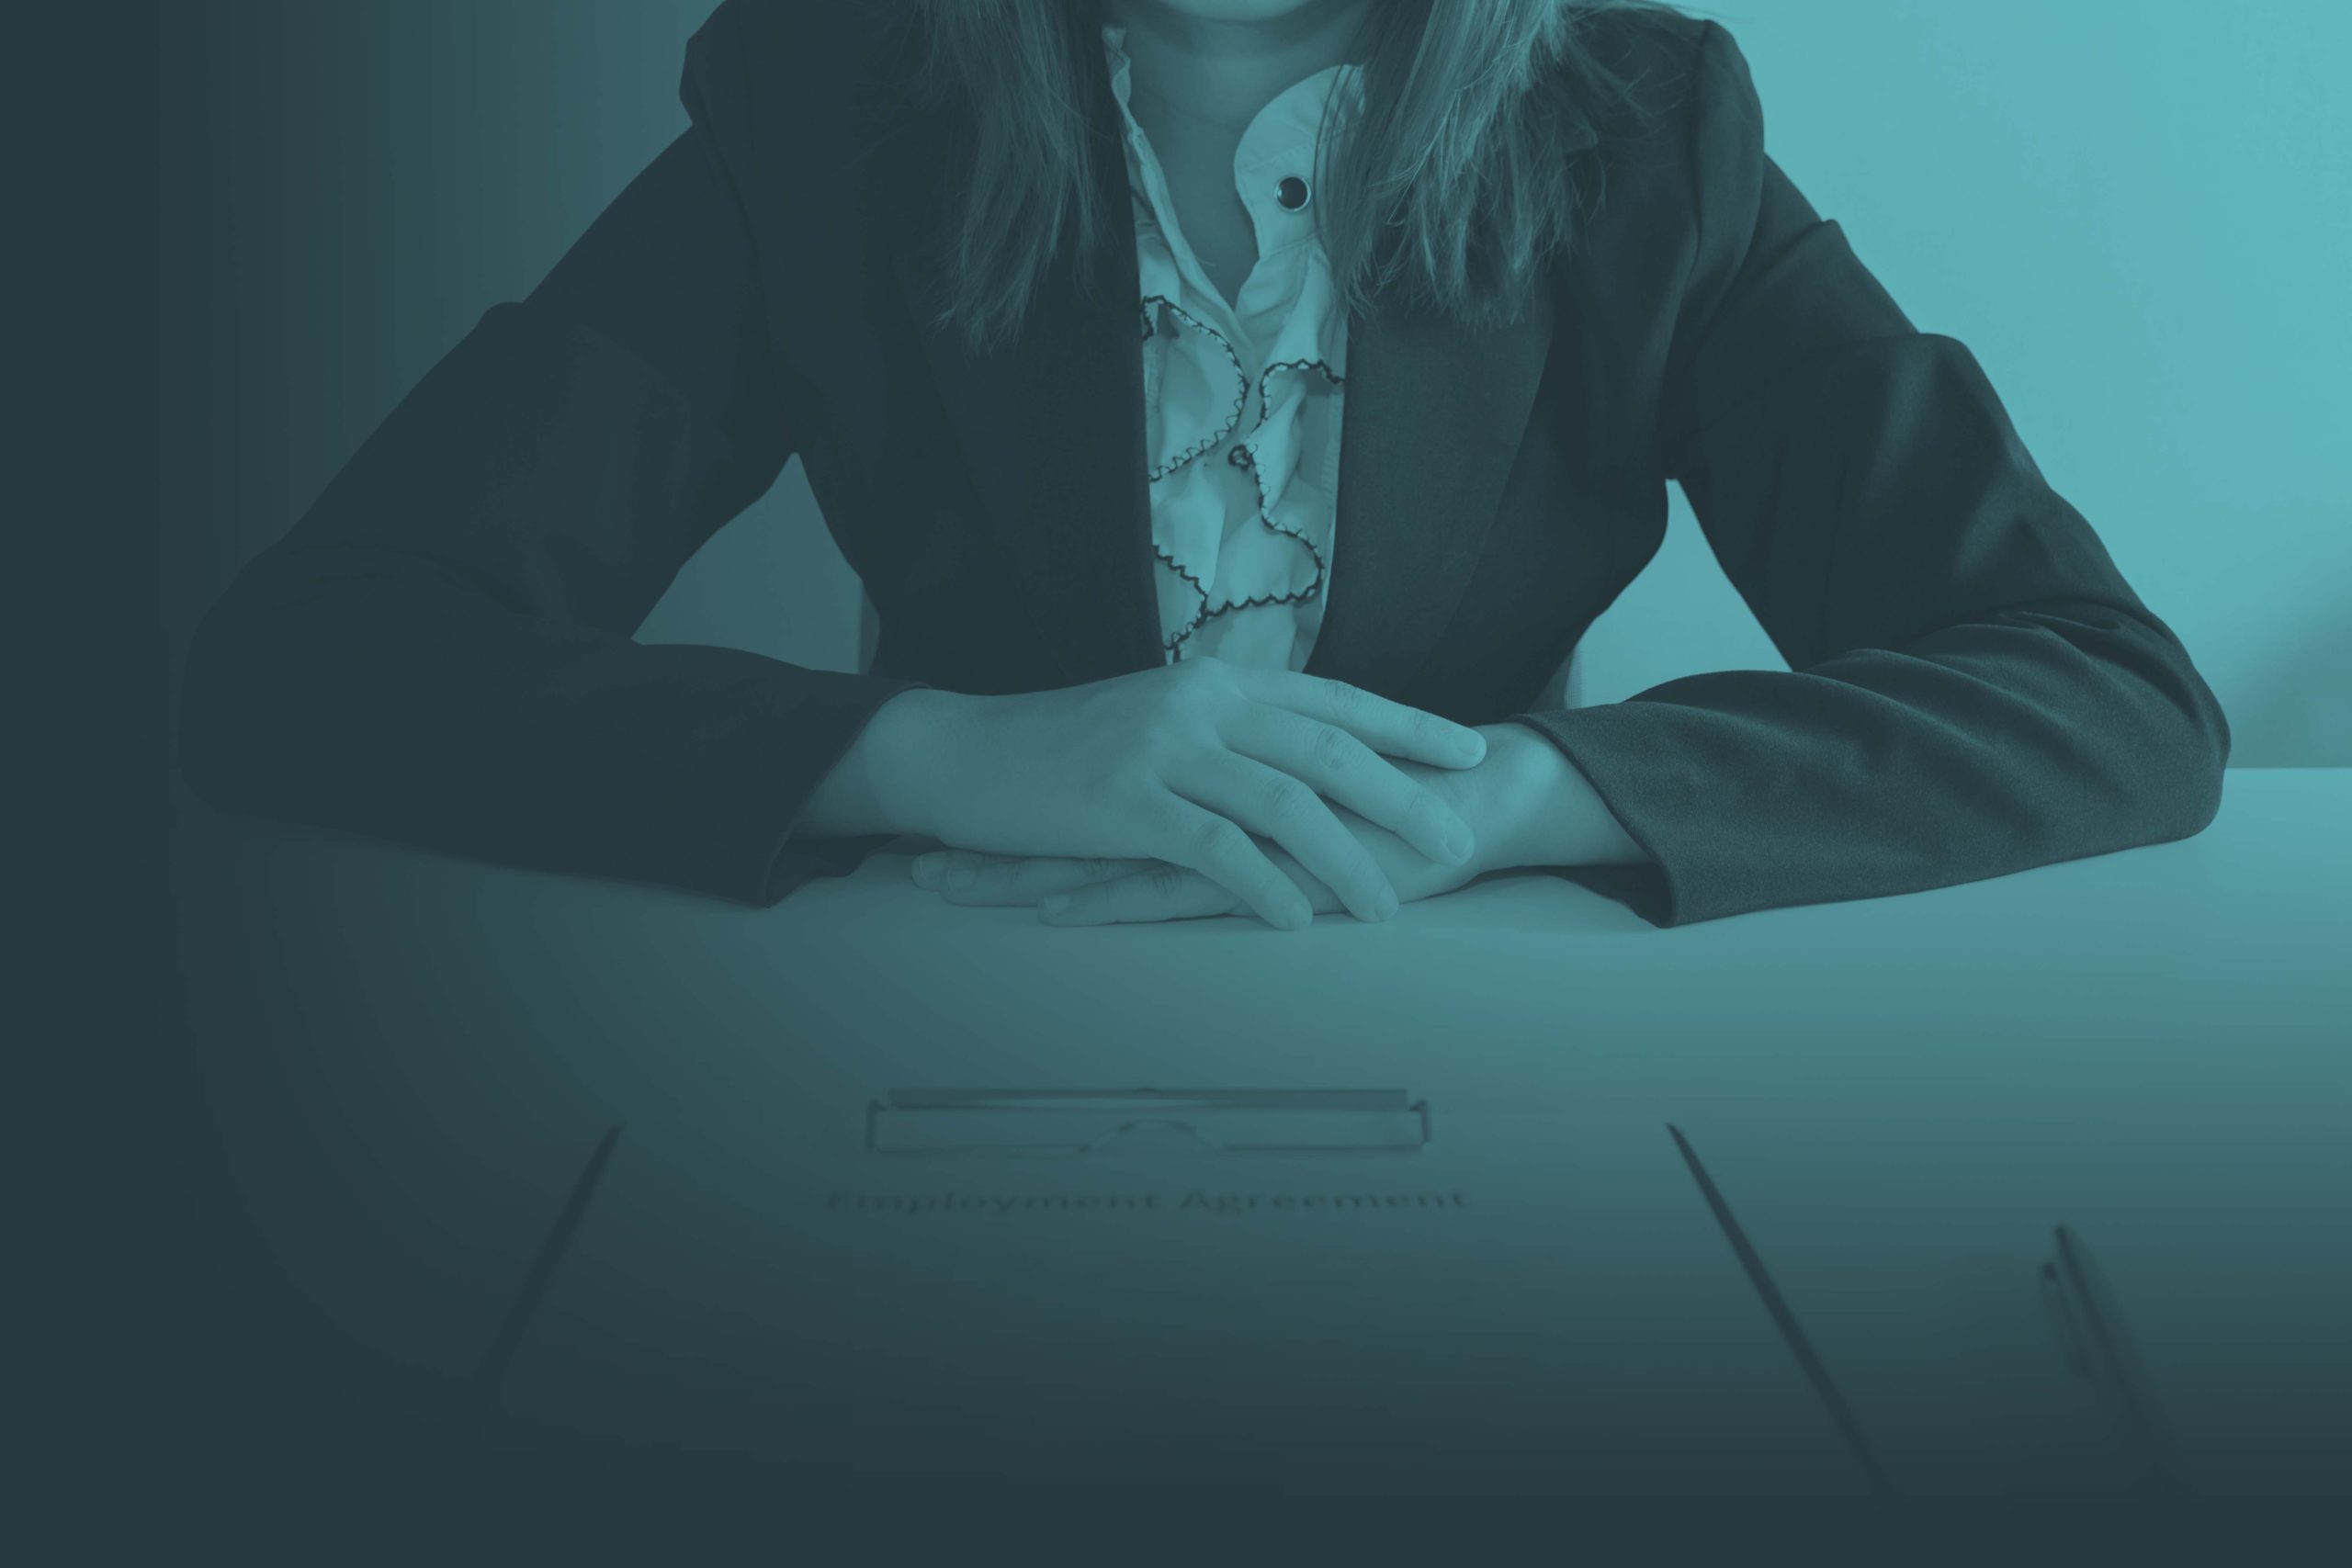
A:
(2136, 217)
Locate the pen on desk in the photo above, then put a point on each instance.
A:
(2105, 1355)
(492, 1370)
(1785, 1321)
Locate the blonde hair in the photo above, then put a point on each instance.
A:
(1452, 190)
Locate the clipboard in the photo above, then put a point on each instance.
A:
(1077, 1123)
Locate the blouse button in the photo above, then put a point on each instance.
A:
(1291, 193)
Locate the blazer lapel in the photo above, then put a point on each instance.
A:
(1053, 428)
(1429, 423)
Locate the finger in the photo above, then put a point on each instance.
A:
(1390, 728)
(961, 877)
(1162, 892)
(1181, 895)
(1223, 852)
(946, 871)
(1343, 768)
(1275, 806)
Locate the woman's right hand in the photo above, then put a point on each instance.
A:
(1188, 763)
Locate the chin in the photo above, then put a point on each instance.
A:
(1243, 10)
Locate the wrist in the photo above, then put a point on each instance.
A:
(921, 736)
(1538, 809)
(886, 783)
(1505, 786)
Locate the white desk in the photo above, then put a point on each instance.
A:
(1899, 1097)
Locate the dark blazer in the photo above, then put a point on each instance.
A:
(440, 651)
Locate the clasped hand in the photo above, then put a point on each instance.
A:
(1199, 788)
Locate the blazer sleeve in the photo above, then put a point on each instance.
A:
(1972, 687)
(440, 651)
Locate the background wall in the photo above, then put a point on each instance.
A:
(2139, 217)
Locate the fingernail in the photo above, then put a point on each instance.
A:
(1384, 906)
(1298, 918)
(958, 875)
(1472, 745)
(1054, 904)
(925, 870)
(1459, 844)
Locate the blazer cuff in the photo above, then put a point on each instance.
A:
(755, 857)
(1660, 810)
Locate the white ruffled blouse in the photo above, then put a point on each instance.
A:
(1242, 397)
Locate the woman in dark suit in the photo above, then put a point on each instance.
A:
(1237, 410)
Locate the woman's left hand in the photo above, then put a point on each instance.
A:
(1110, 892)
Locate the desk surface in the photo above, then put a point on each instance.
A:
(409, 1059)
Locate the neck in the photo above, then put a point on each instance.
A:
(1218, 75)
